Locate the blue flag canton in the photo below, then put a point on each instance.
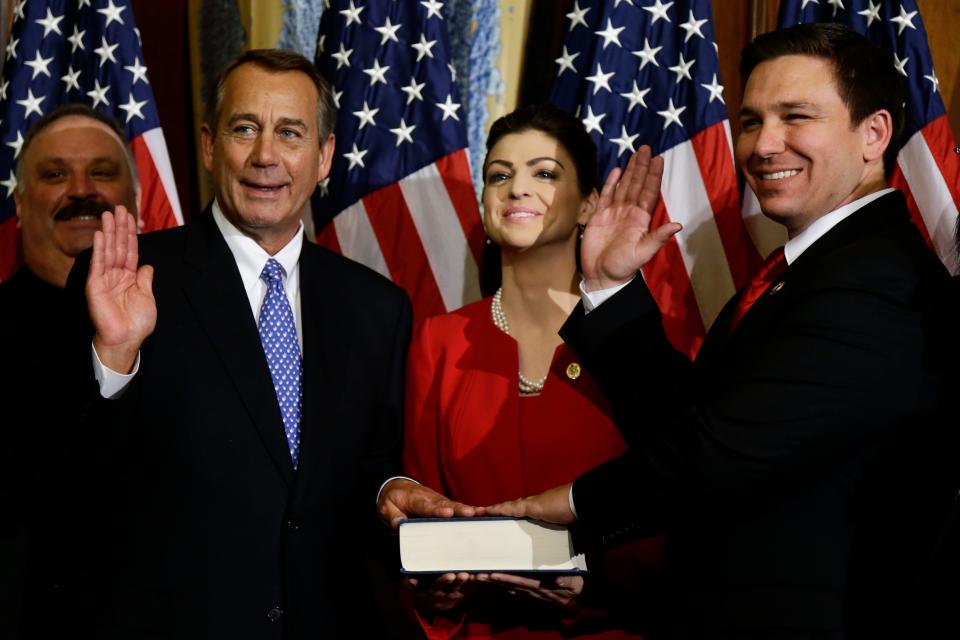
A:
(398, 105)
(69, 51)
(640, 72)
(894, 26)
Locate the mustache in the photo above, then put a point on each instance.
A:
(79, 208)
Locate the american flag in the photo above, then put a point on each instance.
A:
(399, 197)
(81, 51)
(928, 169)
(646, 72)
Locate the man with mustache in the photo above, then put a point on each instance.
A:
(73, 165)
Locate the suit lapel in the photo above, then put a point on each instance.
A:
(217, 296)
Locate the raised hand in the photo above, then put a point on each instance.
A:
(402, 498)
(618, 239)
(119, 295)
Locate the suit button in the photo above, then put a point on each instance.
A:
(275, 614)
(293, 525)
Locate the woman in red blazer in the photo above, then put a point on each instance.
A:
(498, 407)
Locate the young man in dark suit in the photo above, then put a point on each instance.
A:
(251, 388)
(797, 466)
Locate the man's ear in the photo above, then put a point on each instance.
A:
(206, 146)
(17, 201)
(877, 130)
(326, 157)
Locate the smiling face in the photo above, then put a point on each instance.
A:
(531, 195)
(800, 152)
(265, 155)
(72, 171)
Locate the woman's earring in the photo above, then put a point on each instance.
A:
(582, 227)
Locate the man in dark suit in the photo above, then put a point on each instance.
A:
(253, 386)
(795, 465)
(74, 164)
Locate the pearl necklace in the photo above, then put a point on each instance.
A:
(527, 386)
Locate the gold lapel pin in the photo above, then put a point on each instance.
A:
(573, 370)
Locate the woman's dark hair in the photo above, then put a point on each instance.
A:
(565, 129)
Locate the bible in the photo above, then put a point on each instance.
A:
(509, 545)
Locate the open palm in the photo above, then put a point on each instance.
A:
(618, 240)
(119, 295)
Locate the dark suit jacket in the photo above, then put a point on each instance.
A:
(795, 465)
(197, 525)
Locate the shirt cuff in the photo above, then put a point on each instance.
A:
(593, 299)
(573, 509)
(112, 384)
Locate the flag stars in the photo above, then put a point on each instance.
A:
(18, 10)
(403, 132)
(566, 61)
(578, 16)
(682, 69)
(366, 115)
(355, 156)
(592, 121)
(99, 94)
(377, 73)
(12, 48)
(424, 47)
(636, 96)
(904, 20)
(16, 144)
(31, 104)
(671, 115)
(105, 51)
(715, 89)
(433, 9)
(806, 2)
(658, 11)
(837, 6)
(388, 32)
(600, 79)
(342, 56)
(624, 142)
(138, 70)
(50, 23)
(336, 98)
(71, 79)
(414, 90)
(453, 72)
(610, 34)
(352, 14)
(10, 183)
(933, 80)
(39, 65)
(901, 65)
(871, 13)
(648, 54)
(692, 27)
(449, 108)
(133, 108)
(76, 40)
(3, 89)
(112, 13)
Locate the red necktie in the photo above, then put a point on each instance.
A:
(769, 271)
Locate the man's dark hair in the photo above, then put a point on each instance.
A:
(865, 77)
(276, 61)
(74, 109)
(562, 127)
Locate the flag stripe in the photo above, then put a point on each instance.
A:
(155, 209)
(428, 205)
(931, 194)
(455, 171)
(674, 295)
(712, 152)
(686, 201)
(357, 240)
(161, 161)
(9, 247)
(402, 248)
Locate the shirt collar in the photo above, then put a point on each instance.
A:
(819, 227)
(250, 256)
